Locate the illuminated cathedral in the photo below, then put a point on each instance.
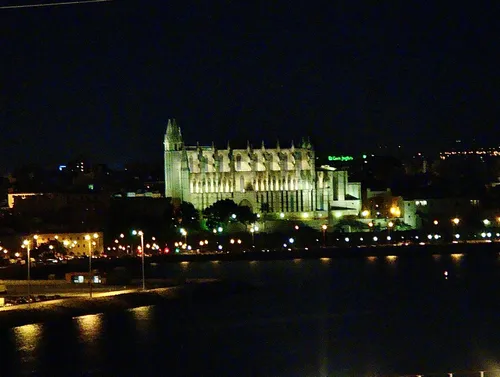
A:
(279, 180)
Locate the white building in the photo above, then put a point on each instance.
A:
(274, 180)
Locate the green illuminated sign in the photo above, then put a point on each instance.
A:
(340, 158)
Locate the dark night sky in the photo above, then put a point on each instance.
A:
(102, 79)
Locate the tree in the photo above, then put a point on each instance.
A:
(181, 214)
(50, 249)
(224, 211)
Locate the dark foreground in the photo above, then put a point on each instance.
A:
(382, 316)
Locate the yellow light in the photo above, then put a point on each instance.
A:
(26, 242)
(96, 235)
(365, 213)
(35, 236)
(56, 237)
(456, 221)
(370, 224)
(87, 237)
(324, 227)
(436, 222)
(390, 224)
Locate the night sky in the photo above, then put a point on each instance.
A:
(102, 79)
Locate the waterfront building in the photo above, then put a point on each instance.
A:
(75, 243)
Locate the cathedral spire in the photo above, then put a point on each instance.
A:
(263, 147)
(173, 136)
(278, 145)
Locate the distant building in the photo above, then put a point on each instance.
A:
(74, 242)
(273, 180)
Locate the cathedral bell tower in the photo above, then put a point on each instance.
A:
(176, 164)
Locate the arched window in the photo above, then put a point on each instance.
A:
(285, 162)
(242, 183)
(191, 165)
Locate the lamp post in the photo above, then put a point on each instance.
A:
(141, 234)
(323, 228)
(184, 233)
(88, 238)
(26, 244)
(390, 224)
(253, 229)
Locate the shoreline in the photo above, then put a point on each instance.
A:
(66, 308)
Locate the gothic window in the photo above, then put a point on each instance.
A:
(191, 165)
(242, 183)
(285, 162)
(238, 162)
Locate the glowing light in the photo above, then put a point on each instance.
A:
(291, 240)
(346, 239)
(282, 215)
(365, 213)
(324, 227)
(390, 224)
(375, 238)
(436, 222)
(27, 337)
(391, 258)
(455, 221)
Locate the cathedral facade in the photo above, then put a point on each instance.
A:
(268, 180)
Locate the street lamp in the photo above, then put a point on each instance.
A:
(26, 244)
(253, 229)
(141, 234)
(390, 224)
(184, 233)
(323, 228)
(88, 238)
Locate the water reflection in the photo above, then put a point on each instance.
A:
(142, 313)
(325, 260)
(436, 257)
(90, 327)
(28, 337)
(371, 259)
(391, 258)
(457, 257)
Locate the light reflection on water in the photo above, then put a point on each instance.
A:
(391, 259)
(90, 327)
(28, 337)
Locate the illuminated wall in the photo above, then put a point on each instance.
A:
(266, 179)
(74, 242)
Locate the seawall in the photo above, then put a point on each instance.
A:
(74, 307)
